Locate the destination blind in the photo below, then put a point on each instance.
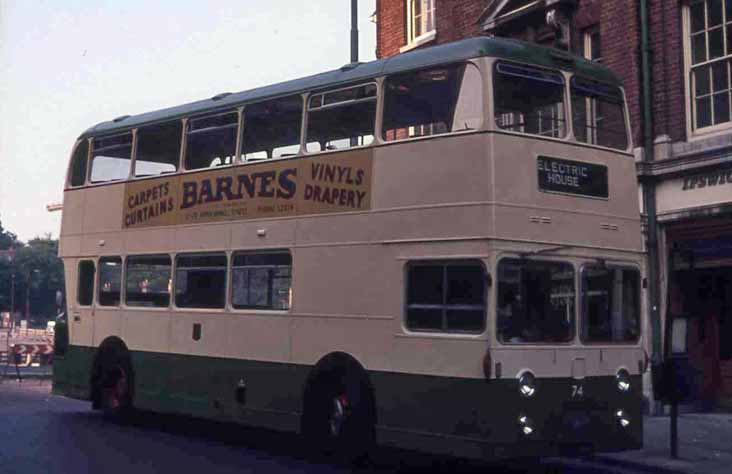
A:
(572, 177)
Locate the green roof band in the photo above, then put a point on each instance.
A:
(502, 48)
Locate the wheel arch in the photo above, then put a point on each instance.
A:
(110, 346)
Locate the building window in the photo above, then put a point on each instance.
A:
(110, 281)
(420, 21)
(709, 42)
(446, 296)
(261, 281)
(200, 281)
(591, 48)
(85, 290)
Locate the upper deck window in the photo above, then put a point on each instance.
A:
(211, 140)
(158, 149)
(598, 115)
(79, 162)
(432, 101)
(342, 118)
(610, 304)
(535, 301)
(272, 128)
(111, 157)
(529, 100)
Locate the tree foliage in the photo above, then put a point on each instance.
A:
(38, 275)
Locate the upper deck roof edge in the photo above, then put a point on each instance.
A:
(503, 48)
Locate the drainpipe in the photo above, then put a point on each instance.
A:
(649, 191)
(354, 31)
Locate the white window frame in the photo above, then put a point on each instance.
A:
(692, 132)
(425, 13)
(592, 119)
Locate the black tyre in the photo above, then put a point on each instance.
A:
(113, 385)
(339, 418)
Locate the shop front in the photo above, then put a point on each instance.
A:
(695, 215)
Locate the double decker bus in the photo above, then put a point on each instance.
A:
(438, 251)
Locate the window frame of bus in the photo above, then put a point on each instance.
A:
(324, 107)
(241, 135)
(574, 329)
(181, 147)
(623, 108)
(443, 263)
(187, 132)
(581, 308)
(86, 142)
(91, 285)
(125, 293)
(90, 166)
(195, 255)
(565, 99)
(257, 309)
(106, 259)
(486, 95)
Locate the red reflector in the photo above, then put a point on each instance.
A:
(487, 364)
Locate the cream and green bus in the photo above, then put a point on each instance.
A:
(438, 251)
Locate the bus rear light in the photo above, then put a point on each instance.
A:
(487, 362)
(622, 418)
(527, 384)
(526, 425)
(622, 379)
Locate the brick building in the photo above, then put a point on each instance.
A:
(687, 173)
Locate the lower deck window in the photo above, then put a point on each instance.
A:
(85, 285)
(446, 296)
(261, 281)
(535, 301)
(110, 284)
(147, 281)
(611, 304)
(200, 281)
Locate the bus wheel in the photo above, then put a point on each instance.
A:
(339, 417)
(114, 385)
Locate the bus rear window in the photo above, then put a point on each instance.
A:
(535, 301)
(610, 304)
(598, 115)
(79, 163)
(147, 281)
(529, 100)
(421, 103)
(111, 157)
(158, 149)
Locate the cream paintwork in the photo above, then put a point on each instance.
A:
(445, 197)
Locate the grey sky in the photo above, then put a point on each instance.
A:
(67, 65)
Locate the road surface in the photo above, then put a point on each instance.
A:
(40, 432)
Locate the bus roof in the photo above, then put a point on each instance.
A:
(504, 48)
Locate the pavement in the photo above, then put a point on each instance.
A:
(30, 372)
(705, 446)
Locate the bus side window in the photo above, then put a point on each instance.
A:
(421, 103)
(79, 163)
(147, 281)
(446, 296)
(200, 280)
(342, 118)
(110, 281)
(272, 129)
(261, 280)
(211, 140)
(111, 158)
(85, 289)
(158, 149)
